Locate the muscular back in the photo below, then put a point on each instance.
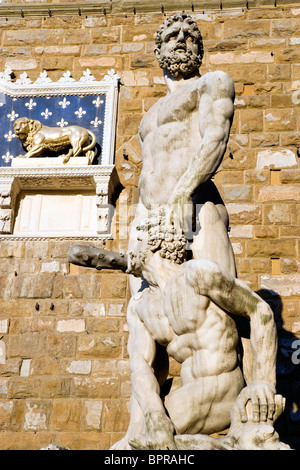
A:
(195, 332)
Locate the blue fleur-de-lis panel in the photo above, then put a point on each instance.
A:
(87, 111)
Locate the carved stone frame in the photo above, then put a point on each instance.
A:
(101, 178)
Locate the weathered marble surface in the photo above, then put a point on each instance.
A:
(186, 298)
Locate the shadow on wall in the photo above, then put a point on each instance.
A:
(288, 373)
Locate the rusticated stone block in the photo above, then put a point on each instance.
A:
(23, 387)
(98, 388)
(267, 88)
(104, 325)
(292, 231)
(36, 416)
(260, 265)
(52, 387)
(242, 159)
(79, 367)
(290, 176)
(92, 415)
(266, 139)
(11, 415)
(57, 63)
(278, 193)
(100, 346)
(139, 61)
(106, 367)
(290, 138)
(66, 415)
(238, 192)
(115, 415)
(243, 58)
(251, 120)
(285, 27)
(279, 72)
(30, 325)
(288, 266)
(257, 176)
(244, 213)
(266, 231)
(72, 325)
(12, 249)
(246, 29)
(84, 308)
(60, 345)
(32, 37)
(106, 35)
(44, 366)
(33, 286)
(271, 248)
(280, 120)
(23, 345)
(279, 214)
(114, 286)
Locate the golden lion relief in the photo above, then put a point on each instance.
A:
(38, 138)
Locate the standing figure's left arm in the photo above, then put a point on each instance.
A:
(216, 111)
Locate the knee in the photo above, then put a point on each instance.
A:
(203, 275)
(209, 215)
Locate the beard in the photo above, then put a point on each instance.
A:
(181, 63)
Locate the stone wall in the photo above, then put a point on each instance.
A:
(63, 359)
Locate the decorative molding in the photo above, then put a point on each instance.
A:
(66, 85)
(49, 9)
(104, 7)
(101, 237)
(101, 179)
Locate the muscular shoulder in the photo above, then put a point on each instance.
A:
(217, 84)
(148, 121)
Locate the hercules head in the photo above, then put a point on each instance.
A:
(179, 48)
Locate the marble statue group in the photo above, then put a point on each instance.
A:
(186, 299)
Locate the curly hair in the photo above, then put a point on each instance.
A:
(182, 17)
(157, 236)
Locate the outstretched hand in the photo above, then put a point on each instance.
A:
(262, 397)
(180, 212)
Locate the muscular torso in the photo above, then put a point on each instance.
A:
(195, 332)
(169, 134)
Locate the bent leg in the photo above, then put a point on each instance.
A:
(212, 242)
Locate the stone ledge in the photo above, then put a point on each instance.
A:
(51, 8)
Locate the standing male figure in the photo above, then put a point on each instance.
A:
(183, 138)
(185, 305)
